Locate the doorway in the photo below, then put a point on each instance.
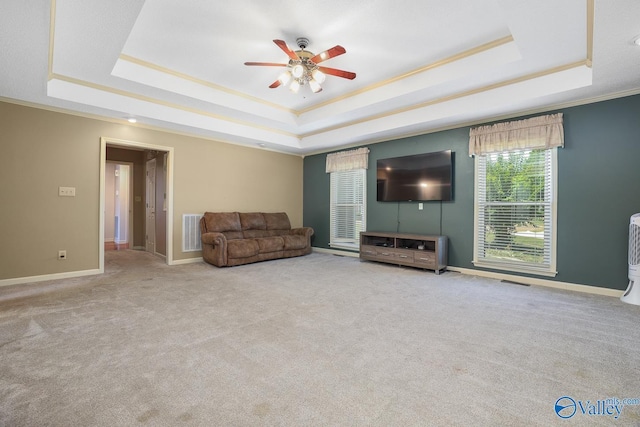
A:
(138, 195)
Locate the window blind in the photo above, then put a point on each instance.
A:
(515, 210)
(347, 210)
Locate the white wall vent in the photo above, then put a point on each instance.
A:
(191, 233)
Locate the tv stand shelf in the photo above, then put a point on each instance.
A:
(413, 250)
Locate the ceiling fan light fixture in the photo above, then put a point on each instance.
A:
(315, 86)
(297, 71)
(295, 86)
(285, 77)
(318, 76)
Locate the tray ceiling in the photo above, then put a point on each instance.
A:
(421, 65)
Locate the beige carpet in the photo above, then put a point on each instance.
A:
(319, 340)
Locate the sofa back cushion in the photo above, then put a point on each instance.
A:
(252, 221)
(277, 221)
(227, 223)
(252, 234)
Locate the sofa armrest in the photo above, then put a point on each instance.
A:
(213, 238)
(214, 248)
(303, 231)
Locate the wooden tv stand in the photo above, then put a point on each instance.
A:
(413, 250)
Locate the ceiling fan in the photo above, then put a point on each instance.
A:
(303, 67)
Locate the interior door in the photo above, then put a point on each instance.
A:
(151, 206)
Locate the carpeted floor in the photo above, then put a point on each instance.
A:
(318, 340)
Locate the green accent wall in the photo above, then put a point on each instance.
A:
(598, 190)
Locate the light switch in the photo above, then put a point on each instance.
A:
(420, 206)
(67, 191)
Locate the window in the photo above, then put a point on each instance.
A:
(516, 211)
(515, 194)
(348, 204)
(348, 208)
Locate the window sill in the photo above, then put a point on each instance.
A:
(347, 246)
(515, 269)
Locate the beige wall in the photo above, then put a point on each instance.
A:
(42, 150)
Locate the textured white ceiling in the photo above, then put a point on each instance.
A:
(421, 64)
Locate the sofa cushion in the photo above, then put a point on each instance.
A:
(242, 248)
(277, 221)
(233, 235)
(222, 221)
(270, 244)
(252, 221)
(252, 234)
(294, 241)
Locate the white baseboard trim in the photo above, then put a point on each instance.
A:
(186, 261)
(489, 274)
(45, 277)
(336, 252)
(540, 282)
(513, 278)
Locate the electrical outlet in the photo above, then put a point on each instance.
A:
(67, 191)
(62, 254)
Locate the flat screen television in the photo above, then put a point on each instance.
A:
(416, 178)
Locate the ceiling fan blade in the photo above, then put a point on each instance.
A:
(327, 54)
(340, 73)
(266, 64)
(282, 45)
(275, 84)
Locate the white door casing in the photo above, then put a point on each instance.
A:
(135, 145)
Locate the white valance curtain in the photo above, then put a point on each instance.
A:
(348, 160)
(540, 132)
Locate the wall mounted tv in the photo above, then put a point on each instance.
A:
(416, 178)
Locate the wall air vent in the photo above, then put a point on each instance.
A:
(191, 233)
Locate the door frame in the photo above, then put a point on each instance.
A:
(104, 141)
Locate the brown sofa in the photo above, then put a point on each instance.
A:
(234, 238)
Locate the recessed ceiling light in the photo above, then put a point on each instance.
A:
(132, 120)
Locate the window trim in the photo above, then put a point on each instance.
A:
(550, 271)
